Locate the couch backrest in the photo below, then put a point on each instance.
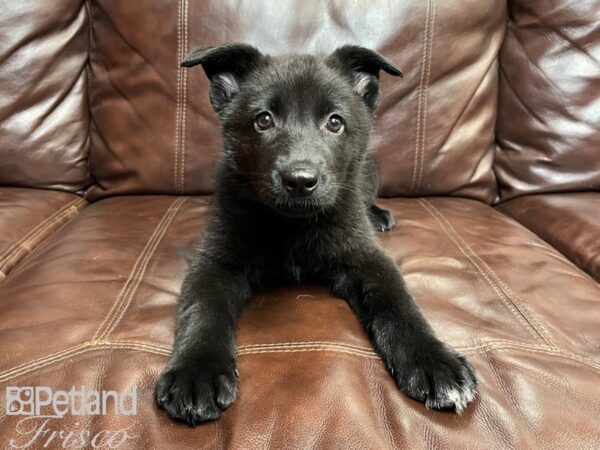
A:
(44, 115)
(153, 130)
(548, 127)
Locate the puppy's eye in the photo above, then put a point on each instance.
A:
(263, 121)
(335, 123)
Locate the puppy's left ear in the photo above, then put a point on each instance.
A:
(225, 66)
(362, 66)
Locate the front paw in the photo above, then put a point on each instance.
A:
(439, 377)
(198, 391)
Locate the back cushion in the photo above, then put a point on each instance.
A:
(549, 109)
(154, 130)
(44, 115)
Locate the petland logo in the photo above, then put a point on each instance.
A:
(42, 409)
(41, 401)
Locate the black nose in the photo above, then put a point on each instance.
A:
(300, 181)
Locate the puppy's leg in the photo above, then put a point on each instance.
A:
(424, 368)
(201, 378)
(381, 219)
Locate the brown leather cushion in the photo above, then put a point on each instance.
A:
(155, 132)
(568, 222)
(548, 127)
(96, 304)
(27, 217)
(44, 113)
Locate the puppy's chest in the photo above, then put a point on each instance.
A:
(299, 267)
(291, 270)
(294, 258)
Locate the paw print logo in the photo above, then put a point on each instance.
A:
(19, 401)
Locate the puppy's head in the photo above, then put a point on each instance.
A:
(296, 127)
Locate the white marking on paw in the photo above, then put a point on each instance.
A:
(460, 396)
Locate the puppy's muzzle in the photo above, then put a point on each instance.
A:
(300, 181)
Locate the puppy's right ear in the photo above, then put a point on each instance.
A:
(225, 66)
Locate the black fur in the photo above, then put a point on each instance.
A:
(264, 231)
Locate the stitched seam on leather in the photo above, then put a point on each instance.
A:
(277, 345)
(137, 273)
(422, 96)
(484, 348)
(178, 100)
(310, 349)
(426, 97)
(539, 327)
(28, 244)
(40, 362)
(509, 293)
(37, 234)
(100, 345)
(554, 351)
(305, 343)
(151, 246)
(315, 345)
(110, 317)
(184, 102)
(123, 345)
(429, 208)
(263, 348)
(419, 92)
(467, 252)
(496, 344)
(33, 231)
(36, 228)
(303, 348)
(271, 345)
(70, 353)
(141, 344)
(514, 306)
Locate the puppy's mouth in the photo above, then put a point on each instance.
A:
(294, 208)
(298, 211)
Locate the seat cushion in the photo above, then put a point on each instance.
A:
(569, 222)
(27, 217)
(523, 314)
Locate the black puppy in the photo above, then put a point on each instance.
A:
(294, 202)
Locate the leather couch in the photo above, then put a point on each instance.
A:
(489, 152)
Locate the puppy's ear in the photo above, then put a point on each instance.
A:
(361, 66)
(225, 66)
